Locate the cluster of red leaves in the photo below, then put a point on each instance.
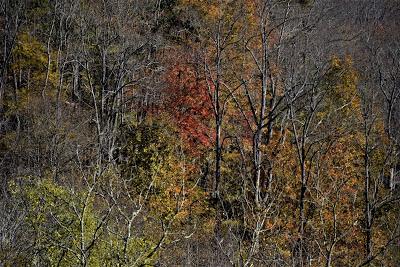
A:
(188, 104)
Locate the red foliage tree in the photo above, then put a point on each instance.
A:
(188, 104)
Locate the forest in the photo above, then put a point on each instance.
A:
(238, 133)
